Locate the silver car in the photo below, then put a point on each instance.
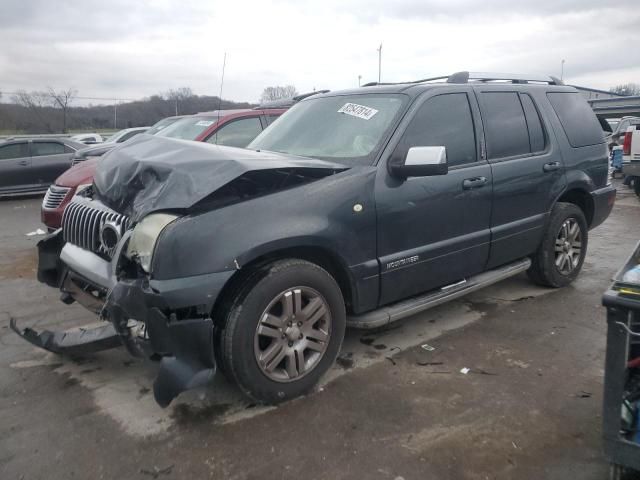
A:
(30, 165)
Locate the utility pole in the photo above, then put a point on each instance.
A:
(176, 107)
(380, 63)
(562, 70)
(115, 114)
(359, 79)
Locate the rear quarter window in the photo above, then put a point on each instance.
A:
(578, 120)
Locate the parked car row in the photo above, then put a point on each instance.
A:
(359, 208)
(223, 127)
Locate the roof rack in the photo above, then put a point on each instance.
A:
(465, 77)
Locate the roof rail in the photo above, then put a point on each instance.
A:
(465, 77)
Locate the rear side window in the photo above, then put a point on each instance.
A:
(15, 150)
(238, 133)
(505, 125)
(444, 120)
(578, 120)
(271, 119)
(536, 132)
(46, 148)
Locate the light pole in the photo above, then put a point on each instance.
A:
(562, 69)
(359, 79)
(379, 63)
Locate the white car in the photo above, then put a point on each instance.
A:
(88, 138)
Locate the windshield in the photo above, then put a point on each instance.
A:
(187, 128)
(350, 128)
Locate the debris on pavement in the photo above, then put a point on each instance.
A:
(156, 472)
(584, 394)
(346, 360)
(427, 347)
(481, 371)
(465, 370)
(39, 231)
(391, 360)
(429, 364)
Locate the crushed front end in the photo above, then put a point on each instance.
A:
(91, 260)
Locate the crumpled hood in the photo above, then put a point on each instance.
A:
(150, 173)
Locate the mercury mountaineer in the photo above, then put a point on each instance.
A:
(355, 208)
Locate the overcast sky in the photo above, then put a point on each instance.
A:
(132, 49)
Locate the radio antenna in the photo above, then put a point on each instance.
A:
(224, 64)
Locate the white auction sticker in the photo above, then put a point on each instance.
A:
(204, 123)
(359, 111)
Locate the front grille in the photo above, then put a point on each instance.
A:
(83, 220)
(54, 197)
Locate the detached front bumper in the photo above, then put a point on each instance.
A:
(161, 319)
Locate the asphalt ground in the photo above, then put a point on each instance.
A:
(530, 406)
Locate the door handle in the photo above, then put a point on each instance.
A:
(551, 166)
(24, 163)
(475, 182)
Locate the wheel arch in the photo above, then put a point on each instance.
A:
(582, 199)
(317, 254)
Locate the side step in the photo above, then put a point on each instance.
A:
(405, 308)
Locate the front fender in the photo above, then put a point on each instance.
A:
(320, 214)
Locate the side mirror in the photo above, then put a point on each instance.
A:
(422, 162)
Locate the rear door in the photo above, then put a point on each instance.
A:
(49, 159)
(433, 231)
(528, 174)
(15, 167)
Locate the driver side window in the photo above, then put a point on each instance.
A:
(443, 120)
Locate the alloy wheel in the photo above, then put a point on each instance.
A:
(568, 246)
(293, 334)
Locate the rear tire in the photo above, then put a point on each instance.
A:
(283, 330)
(561, 253)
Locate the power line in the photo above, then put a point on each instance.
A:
(119, 99)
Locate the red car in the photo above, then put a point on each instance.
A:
(235, 128)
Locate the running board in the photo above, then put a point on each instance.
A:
(406, 308)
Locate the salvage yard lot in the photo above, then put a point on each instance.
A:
(528, 408)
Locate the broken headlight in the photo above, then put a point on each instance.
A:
(144, 236)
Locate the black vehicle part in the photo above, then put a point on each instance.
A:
(544, 269)
(150, 173)
(257, 183)
(50, 268)
(71, 342)
(245, 314)
(186, 345)
(622, 301)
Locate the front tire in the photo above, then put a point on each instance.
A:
(561, 253)
(283, 330)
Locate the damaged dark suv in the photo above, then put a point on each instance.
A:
(355, 208)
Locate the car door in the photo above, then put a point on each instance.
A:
(15, 166)
(49, 159)
(434, 231)
(528, 174)
(237, 133)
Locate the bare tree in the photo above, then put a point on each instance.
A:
(270, 94)
(35, 103)
(178, 95)
(626, 89)
(62, 99)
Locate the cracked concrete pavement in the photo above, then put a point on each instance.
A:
(528, 408)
